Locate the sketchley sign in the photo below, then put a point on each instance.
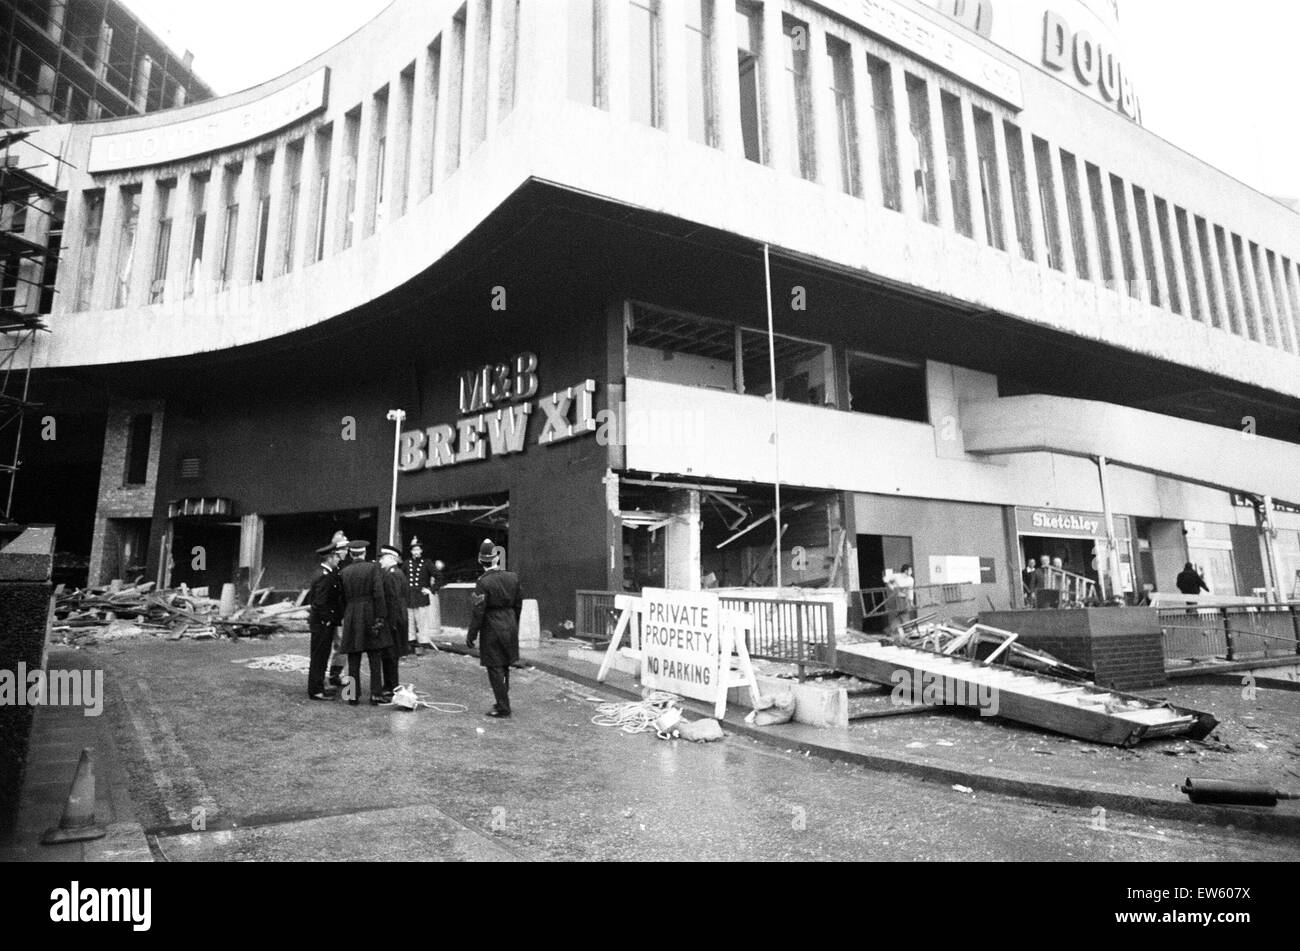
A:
(496, 402)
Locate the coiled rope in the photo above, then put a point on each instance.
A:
(636, 716)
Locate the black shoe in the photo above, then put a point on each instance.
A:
(380, 701)
(353, 703)
(322, 695)
(499, 714)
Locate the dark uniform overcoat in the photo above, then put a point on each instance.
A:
(497, 603)
(395, 594)
(364, 604)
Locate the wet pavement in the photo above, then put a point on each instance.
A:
(231, 763)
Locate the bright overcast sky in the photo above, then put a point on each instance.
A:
(1214, 79)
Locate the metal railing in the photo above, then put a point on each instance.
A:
(1071, 588)
(788, 630)
(1231, 632)
(594, 615)
(785, 630)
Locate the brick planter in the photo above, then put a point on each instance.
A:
(25, 564)
(1123, 646)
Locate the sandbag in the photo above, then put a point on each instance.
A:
(701, 731)
(772, 710)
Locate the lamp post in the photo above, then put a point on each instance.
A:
(398, 416)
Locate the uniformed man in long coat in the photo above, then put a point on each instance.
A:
(365, 621)
(497, 603)
(419, 597)
(337, 659)
(324, 611)
(390, 560)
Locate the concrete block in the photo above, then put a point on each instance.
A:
(530, 626)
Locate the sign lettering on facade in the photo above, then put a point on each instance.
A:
(484, 431)
(1063, 523)
(209, 133)
(944, 49)
(1087, 63)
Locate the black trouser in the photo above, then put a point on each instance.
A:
(376, 672)
(499, 678)
(391, 654)
(322, 637)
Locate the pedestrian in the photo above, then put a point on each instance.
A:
(497, 602)
(1190, 581)
(365, 622)
(1029, 579)
(324, 611)
(395, 595)
(905, 583)
(419, 598)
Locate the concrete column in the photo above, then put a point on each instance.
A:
(401, 123)
(422, 118)
(672, 74)
(1112, 233)
(540, 83)
(1156, 269)
(1068, 256)
(939, 152)
(974, 194)
(1217, 299)
(110, 232)
(1285, 314)
(826, 133)
(368, 170)
(682, 542)
(1289, 278)
(450, 90)
(779, 133)
(146, 237)
(1141, 267)
(247, 224)
(308, 196)
(868, 142)
(475, 26)
(615, 56)
(1180, 282)
(1239, 322)
(214, 232)
(1036, 211)
(1088, 225)
(507, 40)
(726, 86)
(74, 249)
(903, 138)
(1202, 279)
(182, 210)
(1271, 329)
(1255, 318)
(497, 45)
(1004, 186)
(276, 226)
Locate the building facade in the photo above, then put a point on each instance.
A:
(1007, 320)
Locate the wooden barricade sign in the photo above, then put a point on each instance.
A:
(686, 643)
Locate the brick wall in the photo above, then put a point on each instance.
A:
(116, 499)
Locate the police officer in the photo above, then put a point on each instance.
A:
(365, 621)
(324, 611)
(497, 603)
(390, 560)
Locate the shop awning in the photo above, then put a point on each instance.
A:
(1163, 445)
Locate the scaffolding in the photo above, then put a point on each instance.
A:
(31, 222)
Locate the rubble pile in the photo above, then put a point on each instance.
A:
(86, 616)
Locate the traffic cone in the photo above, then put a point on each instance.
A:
(78, 822)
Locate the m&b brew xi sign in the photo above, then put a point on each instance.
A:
(496, 403)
